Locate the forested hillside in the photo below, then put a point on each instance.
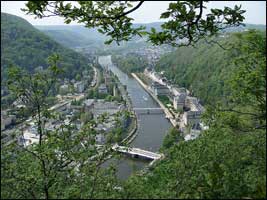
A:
(132, 62)
(25, 46)
(74, 36)
(203, 69)
(229, 159)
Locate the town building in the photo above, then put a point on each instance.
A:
(115, 91)
(159, 89)
(79, 86)
(196, 109)
(100, 107)
(177, 91)
(7, 120)
(88, 104)
(192, 117)
(193, 104)
(102, 89)
(179, 101)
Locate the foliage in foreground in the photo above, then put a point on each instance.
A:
(220, 164)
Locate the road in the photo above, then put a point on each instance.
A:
(65, 100)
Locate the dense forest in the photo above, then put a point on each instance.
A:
(229, 159)
(203, 69)
(129, 63)
(25, 46)
(74, 36)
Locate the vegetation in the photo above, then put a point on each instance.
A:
(172, 138)
(130, 63)
(220, 164)
(183, 66)
(57, 166)
(226, 161)
(112, 19)
(229, 159)
(74, 36)
(164, 99)
(23, 45)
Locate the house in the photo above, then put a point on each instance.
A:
(179, 101)
(100, 138)
(102, 89)
(88, 104)
(7, 120)
(193, 104)
(192, 117)
(159, 89)
(177, 91)
(79, 86)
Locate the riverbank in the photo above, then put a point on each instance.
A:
(166, 111)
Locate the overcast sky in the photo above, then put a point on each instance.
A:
(149, 12)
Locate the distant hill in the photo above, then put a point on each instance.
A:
(78, 36)
(74, 36)
(25, 46)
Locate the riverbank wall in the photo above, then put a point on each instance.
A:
(166, 111)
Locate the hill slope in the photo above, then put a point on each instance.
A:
(25, 46)
(74, 36)
(204, 69)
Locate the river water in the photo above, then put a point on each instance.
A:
(152, 128)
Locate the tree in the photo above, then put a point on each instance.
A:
(78, 77)
(86, 117)
(62, 164)
(172, 138)
(186, 20)
(244, 108)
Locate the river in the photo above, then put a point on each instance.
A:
(152, 128)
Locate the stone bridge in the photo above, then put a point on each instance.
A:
(148, 110)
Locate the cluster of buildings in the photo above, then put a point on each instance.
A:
(70, 112)
(67, 111)
(151, 53)
(7, 119)
(189, 108)
(78, 86)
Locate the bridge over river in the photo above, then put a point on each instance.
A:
(151, 128)
(137, 152)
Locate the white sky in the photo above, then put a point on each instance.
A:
(148, 12)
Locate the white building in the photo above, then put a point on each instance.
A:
(79, 86)
(89, 104)
(196, 109)
(159, 89)
(179, 101)
(102, 89)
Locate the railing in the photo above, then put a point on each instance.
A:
(137, 151)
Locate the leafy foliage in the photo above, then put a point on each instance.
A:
(185, 19)
(23, 45)
(228, 160)
(63, 158)
(220, 164)
(130, 63)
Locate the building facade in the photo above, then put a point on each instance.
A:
(159, 89)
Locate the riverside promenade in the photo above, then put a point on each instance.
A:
(167, 112)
